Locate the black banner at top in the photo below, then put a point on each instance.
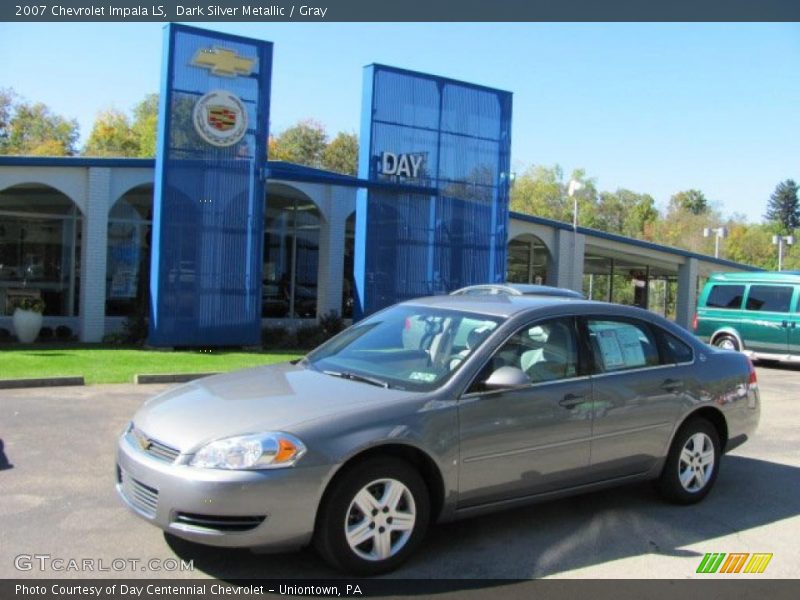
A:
(398, 10)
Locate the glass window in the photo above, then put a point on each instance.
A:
(527, 260)
(725, 296)
(291, 255)
(128, 258)
(545, 351)
(348, 283)
(619, 345)
(677, 351)
(410, 347)
(40, 233)
(774, 298)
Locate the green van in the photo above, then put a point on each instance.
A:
(756, 313)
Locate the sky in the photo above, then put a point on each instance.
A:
(655, 108)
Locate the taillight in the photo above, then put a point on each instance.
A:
(752, 379)
(694, 322)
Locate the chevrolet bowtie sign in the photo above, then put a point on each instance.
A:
(224, 62)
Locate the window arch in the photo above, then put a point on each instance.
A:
(128, 257)
(40, 239)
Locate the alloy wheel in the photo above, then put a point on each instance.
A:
(380, 519)
(696, 463)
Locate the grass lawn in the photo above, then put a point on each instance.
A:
(119, 364)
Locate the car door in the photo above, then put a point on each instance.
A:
(637, 396)
(533, 438)
(794, 324)
(766, 319)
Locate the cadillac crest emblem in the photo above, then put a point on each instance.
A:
(220, 118)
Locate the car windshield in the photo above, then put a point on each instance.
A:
(406, 346)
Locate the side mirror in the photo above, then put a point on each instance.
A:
(506, 377)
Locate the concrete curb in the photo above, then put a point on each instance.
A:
(168, 377)
(33, 382)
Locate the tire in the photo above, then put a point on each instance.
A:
(356, 501)
(688, 476)
(727, 342)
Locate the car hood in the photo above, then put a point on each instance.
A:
(268, 398)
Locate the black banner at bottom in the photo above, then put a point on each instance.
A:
(507, 589)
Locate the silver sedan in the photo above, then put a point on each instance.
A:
(433, 410)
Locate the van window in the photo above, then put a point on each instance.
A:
(725, 296)
(775, 298)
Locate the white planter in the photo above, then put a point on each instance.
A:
(27, 324)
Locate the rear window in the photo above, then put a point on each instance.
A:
(774, 298)
(725, 296)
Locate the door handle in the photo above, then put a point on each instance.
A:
(785, 323)
(672, 385)
(570, 401)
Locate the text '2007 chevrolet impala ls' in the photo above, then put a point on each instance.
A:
(431, 410)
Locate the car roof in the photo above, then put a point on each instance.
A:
(500, 305)
(760, 277)
(518, 289)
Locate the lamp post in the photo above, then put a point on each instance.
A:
(779, 241)
(718, 233)
(573, 187)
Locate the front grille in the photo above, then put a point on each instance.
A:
(141, 496)
(215, 523)
(152, 447)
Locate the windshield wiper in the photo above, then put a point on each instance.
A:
(357, 377)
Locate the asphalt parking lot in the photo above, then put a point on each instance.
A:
(57, 498)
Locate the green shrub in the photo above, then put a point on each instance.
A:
(64, 333)
(274, 338)
(331, 323)
(135, 328)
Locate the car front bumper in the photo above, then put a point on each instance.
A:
(269, 509)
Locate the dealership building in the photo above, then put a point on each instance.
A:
(77, 232)
(216, 242)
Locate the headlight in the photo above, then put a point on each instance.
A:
(257, 451)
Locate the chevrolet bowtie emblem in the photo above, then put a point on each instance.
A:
(221, 61)
(143, 442)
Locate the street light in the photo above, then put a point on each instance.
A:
(779, 241)
(718, 233)
(573, 187)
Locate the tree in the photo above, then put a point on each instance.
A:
(303, 144)
(341, 154)
(783, 208)
(112, 136)
(542, 191)
(626, 212)
(33, 129)
(7, 97)
(145, 125)
(692, 200)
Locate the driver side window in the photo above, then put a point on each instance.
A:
(543, 350)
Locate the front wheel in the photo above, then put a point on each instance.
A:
(373, 517)
(692, 464)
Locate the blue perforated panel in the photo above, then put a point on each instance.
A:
(436, 215)
(209, 198)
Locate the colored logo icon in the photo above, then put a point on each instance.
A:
(220, 118)
(223, 62)
(734, 562)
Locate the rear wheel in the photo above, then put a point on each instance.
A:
(692, 464)
(727, 342)
(373, 517)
